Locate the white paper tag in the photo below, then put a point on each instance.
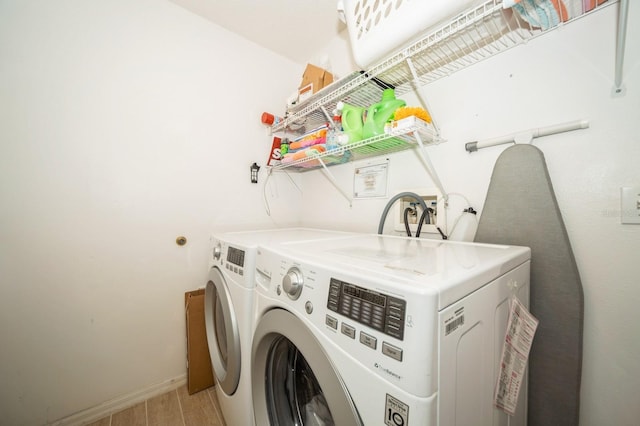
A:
(521, 328)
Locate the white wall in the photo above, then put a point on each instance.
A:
(123, 124)
(562, 76)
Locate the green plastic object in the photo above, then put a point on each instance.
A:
(352, 121)
(379, 113)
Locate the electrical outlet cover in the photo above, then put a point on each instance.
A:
(630, 205)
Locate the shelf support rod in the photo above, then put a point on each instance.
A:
(333, 180)
(623, 12)
(528, 135)
(429, 165)
(326, 114)
(418, 88)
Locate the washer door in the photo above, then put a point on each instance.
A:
(293, 380)
(222, 332)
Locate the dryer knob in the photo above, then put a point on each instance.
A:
(217, 251)
(292, 283)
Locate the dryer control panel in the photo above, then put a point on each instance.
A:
(377, 310)
(235, 256)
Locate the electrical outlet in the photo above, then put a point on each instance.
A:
(432, 199)
(630, 205)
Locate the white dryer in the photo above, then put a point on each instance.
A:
(229, 295)
(381, 330)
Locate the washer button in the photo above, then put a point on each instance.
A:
(347, 330)
(368, 340)
(331, 322)
(392, 351)
(308, 307)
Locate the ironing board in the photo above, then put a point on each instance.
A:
(521, 209)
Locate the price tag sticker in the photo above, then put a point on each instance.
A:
(521, 329)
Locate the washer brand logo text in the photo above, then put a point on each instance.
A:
(387, 371)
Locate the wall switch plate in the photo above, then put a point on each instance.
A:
(630, 205)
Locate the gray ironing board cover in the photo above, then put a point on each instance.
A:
(521, 209)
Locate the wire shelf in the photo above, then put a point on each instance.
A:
(393, 141)
(472, 36)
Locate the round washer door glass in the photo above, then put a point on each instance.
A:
(293, 380)
(295, 394)
(223, 337)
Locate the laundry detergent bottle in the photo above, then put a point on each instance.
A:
(378, 114)
(352, 121)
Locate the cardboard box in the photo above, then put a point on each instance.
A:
(313, 80)
(411, 122)
(199, 371)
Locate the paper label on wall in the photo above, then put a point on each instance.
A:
(521, 329)
(370, 180)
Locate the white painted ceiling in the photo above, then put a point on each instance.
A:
(295, 29)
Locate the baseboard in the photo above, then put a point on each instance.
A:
(120, 403)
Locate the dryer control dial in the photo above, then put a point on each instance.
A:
(292, 283)
(217, 251)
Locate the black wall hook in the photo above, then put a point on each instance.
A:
(254, 172)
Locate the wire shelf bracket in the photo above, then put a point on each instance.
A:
(333, 180)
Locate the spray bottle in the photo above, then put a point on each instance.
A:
(465, 227)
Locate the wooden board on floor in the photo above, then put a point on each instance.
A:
(199, 371)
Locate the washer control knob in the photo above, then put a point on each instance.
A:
(217, 251)
(292, 283)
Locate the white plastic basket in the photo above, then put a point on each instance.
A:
(377, 27)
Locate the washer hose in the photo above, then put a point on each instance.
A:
(406, 220)
(395, 198)
(423, 218)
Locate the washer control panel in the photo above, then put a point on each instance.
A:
(377, 310)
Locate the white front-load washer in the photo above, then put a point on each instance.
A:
(229, 295)
(381, 330)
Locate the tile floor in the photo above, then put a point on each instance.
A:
(174, 408)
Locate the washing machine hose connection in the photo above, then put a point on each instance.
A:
(395, 198)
